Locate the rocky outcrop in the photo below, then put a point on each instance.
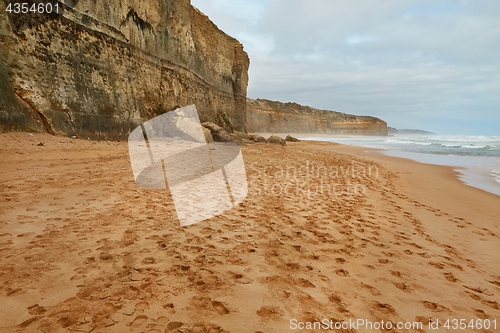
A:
(277, 140)
(100, 68)
(291, 139)
(258, 138)
(392, 131)
(265, 116)
(219, 134)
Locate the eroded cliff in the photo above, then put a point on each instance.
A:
(265, 116)
(99, 68)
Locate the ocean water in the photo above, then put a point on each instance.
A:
(476, 158)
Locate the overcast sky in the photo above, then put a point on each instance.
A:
(432, 65)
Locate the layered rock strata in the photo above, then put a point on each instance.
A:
(264, 116)
(100, 68)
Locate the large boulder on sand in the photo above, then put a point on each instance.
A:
(291, 139)
(274, 139)
(219, 134)
(256, 138)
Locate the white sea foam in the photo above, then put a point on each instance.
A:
(463, 145)
(496, 175)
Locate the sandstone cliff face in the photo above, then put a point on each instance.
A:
(99, 68)
(265, 116)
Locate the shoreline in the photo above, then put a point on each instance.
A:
(467, 166)
(84, 248)
(450, 172)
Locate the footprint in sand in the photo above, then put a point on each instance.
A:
(142, 305)
(423, 319)
(169, 307)
(138, 321)
(283, 294)
(491, 304)
(456, 266)
(173, 326)
(383, 261)
(305, 283)
(65, 321)
(201, 328)
(436, 264)
(239, 278)
(335, 298)
(433, 306)
(450, 277)
(374, 291)
(270, 312)
(473, 296)
(149, 260)
(424, 254)
(293, 265)
(36, 310)
(11, 291)
(395, 273)
(383, 307)
(162, 320)
(497, 283)
(471, 264)
(479, 290)
(402, 286)
(342, 272)
(481, 314)
(219, 306)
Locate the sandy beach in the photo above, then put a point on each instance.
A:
(327, 234)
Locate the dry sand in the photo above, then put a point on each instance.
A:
(84, 249)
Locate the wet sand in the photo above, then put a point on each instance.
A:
(326, 232)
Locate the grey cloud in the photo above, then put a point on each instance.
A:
(398, 60)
